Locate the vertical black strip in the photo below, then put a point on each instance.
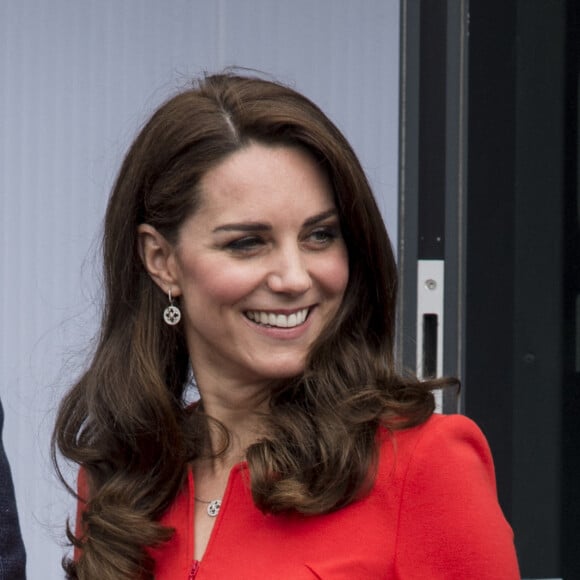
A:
(489, 356)
(571, 332)
(432, 129)
(430, 346)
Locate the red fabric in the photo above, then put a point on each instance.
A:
(432, 514)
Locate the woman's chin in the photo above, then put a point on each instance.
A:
(283, 369)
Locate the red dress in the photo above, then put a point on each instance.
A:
(432, 514)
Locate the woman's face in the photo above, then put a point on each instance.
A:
(261, 266)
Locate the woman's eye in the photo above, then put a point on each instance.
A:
(324, 236)
(246, 244)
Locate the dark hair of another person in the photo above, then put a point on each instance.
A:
(125, 421)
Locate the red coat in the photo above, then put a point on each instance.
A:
(432, 514)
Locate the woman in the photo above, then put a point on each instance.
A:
(244, 251)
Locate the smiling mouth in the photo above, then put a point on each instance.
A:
(270, 319)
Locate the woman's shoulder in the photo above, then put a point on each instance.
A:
(444, 444)
(442, 476)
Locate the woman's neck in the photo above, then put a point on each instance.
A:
(242, 410)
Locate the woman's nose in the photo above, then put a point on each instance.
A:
(289, 274)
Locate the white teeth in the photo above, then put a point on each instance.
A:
(278, 320)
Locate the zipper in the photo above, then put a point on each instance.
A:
(194, 570)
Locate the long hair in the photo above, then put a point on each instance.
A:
(125, 422)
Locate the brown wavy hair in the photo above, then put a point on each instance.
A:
(125, 421)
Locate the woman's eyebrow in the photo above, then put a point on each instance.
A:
(262, 227)
(320, 217)
(243, 227)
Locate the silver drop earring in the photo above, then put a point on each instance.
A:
(172, 314)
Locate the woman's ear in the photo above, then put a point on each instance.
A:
(158, 257)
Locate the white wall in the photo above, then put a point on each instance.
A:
(77, 79)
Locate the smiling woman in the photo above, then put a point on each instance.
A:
(260, 268)
(243, 245)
